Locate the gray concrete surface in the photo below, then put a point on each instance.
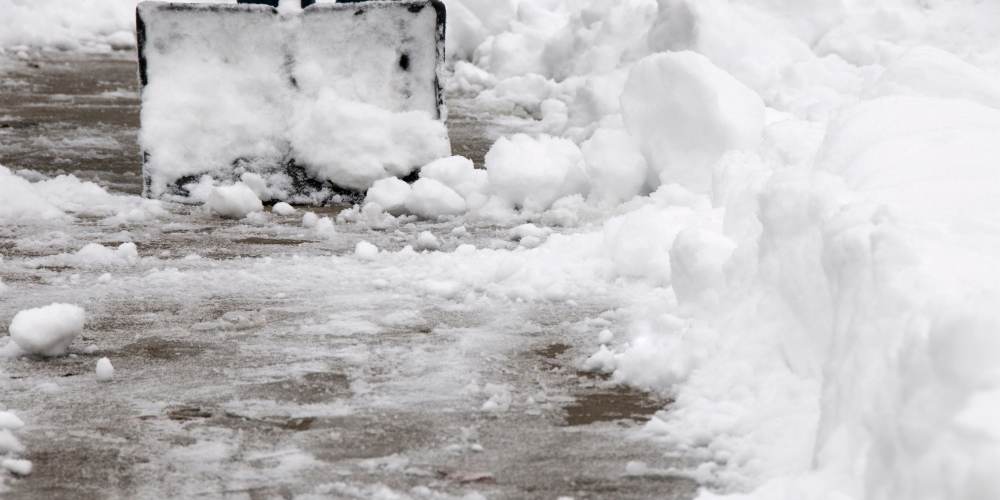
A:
(224, 388)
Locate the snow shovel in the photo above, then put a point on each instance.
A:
(300, 104)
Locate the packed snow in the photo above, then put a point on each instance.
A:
(241, 89)
(799, 201)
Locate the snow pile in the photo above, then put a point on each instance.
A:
(59, 198)
(96, 255)
(820, 240)
(47, 331)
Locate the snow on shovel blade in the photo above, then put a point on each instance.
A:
(329, 98)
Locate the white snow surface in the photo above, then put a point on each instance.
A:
(802, 198)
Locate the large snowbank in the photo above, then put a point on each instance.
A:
(823, 223)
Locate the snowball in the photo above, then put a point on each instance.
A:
(235, 201)
(390, 194)
(49, 330)
(532, 173)
(427, 241)
(104, 370)
(309, 220)
(365, 251)
(431, 199)
(284, 209)
(686, 113)
(16, 466)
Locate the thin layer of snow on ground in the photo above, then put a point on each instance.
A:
(797, 202)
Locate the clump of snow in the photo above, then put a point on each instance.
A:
(17, 466)
(427, 241)
(325, 227)
(105, 371)
(10, 421)
(532, 173)
(309, 220)
(366, 251)
(283, 209)
(235, 201)
(390, 193)
(432, 199)
(96, 255)
(461, 175)
(9, 443)
(48, 330)
(59, 198)
(606, 336)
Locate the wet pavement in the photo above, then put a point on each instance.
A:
(252, 364)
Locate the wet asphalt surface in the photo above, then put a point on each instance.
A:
(289, 381)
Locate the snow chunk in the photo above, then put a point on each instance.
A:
(309, 220)
(532, 173)
(284, 209)
(686, 113)
(235, 201)
(431, 199)
(49, 330)
(95, 255)
(366, 251)
(9, 443)
(390, 194)
(8, 420)
(427, 241)
(458, 173)
(16, 466)
(105, 371)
